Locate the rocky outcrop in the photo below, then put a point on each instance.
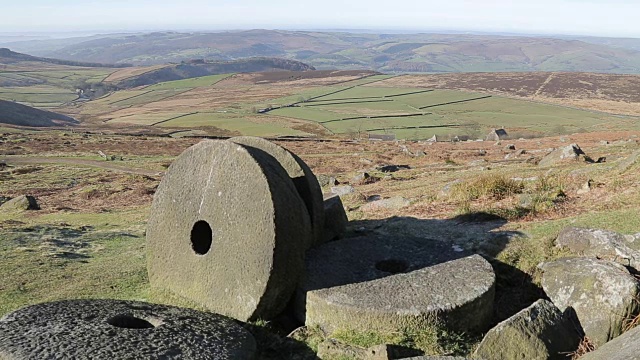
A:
(569, 153)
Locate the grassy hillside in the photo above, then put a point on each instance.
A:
(382, 52)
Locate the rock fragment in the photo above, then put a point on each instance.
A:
(20, 203)
(540, 331)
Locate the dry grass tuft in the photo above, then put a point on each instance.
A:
(496, 187)
(586, 346)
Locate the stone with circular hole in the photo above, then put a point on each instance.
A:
(227, 230)
(115, 329)
(383, 283)
(303, 178)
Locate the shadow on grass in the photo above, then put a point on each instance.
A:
(272, 345)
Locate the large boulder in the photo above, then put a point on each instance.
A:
(603, 294)
(540, 331)
(624, 347)
(303, 179)
(115, 329)
(603, 244)
(228, 230)
(389, 283)
(20, 203)
(569, 153)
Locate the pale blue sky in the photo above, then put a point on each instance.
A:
(579, 17)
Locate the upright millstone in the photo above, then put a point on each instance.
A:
(303, 178)
(115, 329)
(227, 230)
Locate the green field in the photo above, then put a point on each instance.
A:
(232, 123)
(148, 118)
(437, 112)
(202, 81)
(47, 88)
(39, 95)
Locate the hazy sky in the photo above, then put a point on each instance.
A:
(592, 17)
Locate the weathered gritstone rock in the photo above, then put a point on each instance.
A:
(603, 294)
(540, 331)
(388, 283)
(114, 329)
(303, 179)
(335, 219)
(227, 230)
(624, 347)
(600, 243)
(20, 203)
(567, 153)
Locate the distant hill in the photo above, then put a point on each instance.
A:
(335, 50)
(200, 68)
(7, 56)
(17, 114)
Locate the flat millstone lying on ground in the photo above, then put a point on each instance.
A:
(227, 230)
(387, 283)
(303, 179)
(114, 329)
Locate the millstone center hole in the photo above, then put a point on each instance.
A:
(201, 237)
(392, 266)
(128, 321)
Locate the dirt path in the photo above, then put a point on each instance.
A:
(547, 81)
(20, 160)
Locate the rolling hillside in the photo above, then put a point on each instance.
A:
(200, 69)
(331, 50)
(7, 56)
(12, 113)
